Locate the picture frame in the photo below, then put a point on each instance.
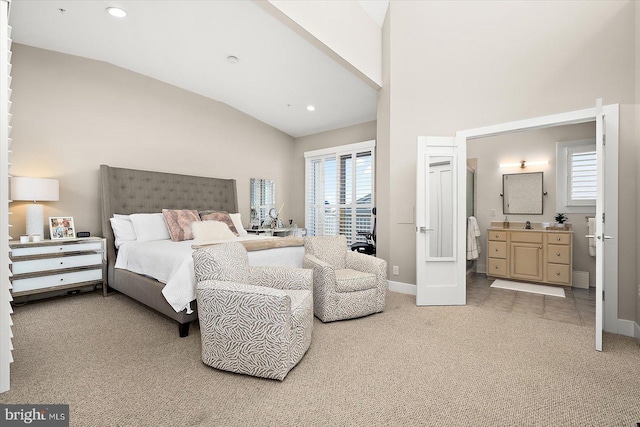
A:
(62, 227)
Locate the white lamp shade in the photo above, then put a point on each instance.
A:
(34, 189)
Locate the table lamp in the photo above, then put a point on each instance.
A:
(36, 189)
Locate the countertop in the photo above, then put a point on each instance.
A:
(532, 229)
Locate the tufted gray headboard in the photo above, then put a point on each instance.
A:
(127, 191)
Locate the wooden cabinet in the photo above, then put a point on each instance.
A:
(53, 265)
(531, 255)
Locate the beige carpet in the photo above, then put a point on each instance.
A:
(119, 364)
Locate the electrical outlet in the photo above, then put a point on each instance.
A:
(493, 212)
(396, 270)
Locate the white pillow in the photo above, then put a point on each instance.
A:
(211, 230)
(123, 230)
(150, 227)
(237, 223)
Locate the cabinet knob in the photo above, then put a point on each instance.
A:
(497, 267)
(61, 279)
(558, 254)
(558, 239)
(557, 273)
(497, 236)
(496, 249)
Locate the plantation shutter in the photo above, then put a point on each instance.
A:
(5, 141)
(339, 191)
(581, 175)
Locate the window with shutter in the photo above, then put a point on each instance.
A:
(581, 167)
(576, 176)
(339, 191)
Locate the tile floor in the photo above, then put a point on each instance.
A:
(578, 308)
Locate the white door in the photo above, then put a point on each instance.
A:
(440, 181)
(600, 235)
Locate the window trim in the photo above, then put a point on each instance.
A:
(563, 204)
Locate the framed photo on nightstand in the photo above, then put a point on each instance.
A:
(62, 227)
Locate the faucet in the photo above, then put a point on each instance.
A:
(528, 225)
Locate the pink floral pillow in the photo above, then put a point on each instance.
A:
(179, 223)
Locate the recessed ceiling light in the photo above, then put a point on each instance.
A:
(311, 108)
(232, 59)
(117, 12)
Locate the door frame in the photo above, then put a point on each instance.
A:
(611, 130)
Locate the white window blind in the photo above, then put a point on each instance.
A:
(576, 176)
(581, 175)
(5, 141)
(340, 191)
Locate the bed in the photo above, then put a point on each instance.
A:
(131, 191)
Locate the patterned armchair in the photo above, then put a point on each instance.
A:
(253, 320)
(346, 284)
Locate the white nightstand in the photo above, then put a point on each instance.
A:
(279, 232)
(54, 265)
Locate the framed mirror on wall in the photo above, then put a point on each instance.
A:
(522, 193)
(263, 200)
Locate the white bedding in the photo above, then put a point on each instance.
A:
(171, 263)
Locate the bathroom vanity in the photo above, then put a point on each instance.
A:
(535, 255)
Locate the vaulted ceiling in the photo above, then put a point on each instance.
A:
(188, 44)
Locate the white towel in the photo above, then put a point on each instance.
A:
(473, 244)
(592, 231)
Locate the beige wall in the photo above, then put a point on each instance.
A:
(461, 65)
(637, 137)
(333, 138)
(72, 114)
(532, 146)
(383, 150)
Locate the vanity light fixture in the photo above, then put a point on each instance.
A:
(117, 12)
(523, 164)
(311, 108)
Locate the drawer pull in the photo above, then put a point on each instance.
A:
(61, 279)
(558, 254)
(557, 273)
(61, 262)
(497, 235)
(558, 239)
(497, 268)
(496, 249)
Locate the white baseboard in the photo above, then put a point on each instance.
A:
(628, 328)
(403, 288)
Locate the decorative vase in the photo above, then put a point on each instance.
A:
(559, 224)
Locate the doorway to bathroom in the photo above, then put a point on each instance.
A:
(496, 161)
(442, 280)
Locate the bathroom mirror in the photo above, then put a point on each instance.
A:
(263, 199)
(522, 193)
(441, 209)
